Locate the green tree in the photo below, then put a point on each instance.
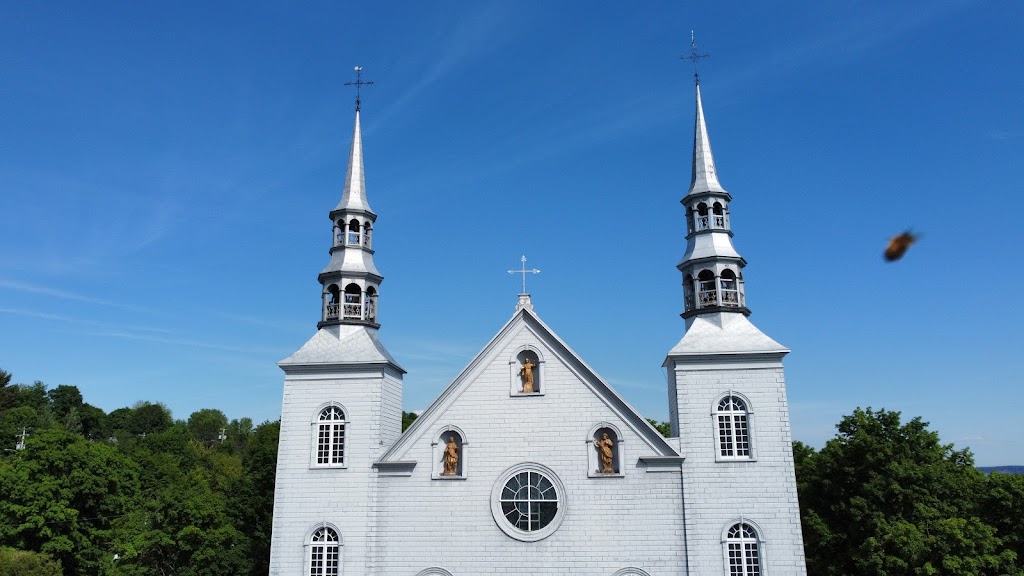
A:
(147, 418)
(407, 419)
(664, 427)
(62, 494)
(888, 498)
(24, 563)
(1002, 507)
(253, 498)
(63, 399)
(206, 424)
(7, 392)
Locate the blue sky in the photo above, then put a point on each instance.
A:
(166, 171)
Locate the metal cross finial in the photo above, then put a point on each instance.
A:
(359, 84)
(524, 271)
(695, 57)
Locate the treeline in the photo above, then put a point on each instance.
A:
(132, 492)
(135, 492)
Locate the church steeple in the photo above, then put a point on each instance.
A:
(711, 267)
(351, 282)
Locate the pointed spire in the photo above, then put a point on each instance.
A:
(354, 195)
(704, 178)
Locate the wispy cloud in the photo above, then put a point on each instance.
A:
(174, 341)
(64, 295)
(71, 320)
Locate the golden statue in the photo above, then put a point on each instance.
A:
(605, 449)
(451, 457)
(527, 373)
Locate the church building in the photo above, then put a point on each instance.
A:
(529, 462)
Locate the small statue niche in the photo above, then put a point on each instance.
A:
(529, 372)
(449, 450)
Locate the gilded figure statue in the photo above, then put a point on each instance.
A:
(605, 448)
(451, 458)
(527, 373)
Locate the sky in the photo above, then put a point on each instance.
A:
(166, 171)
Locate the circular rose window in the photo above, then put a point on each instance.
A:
(527, 502)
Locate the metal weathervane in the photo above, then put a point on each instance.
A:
(359, 83)
(695, 56)
(524, 271)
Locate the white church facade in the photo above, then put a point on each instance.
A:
(529, 462)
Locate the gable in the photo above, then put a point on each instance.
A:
(571, 398)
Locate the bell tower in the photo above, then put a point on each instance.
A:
(342, 404)
(351, 282)
(727, 398)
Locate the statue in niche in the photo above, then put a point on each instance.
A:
(527, 373)
(451, 457)
(605, 451)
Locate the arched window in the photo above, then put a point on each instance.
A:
(366, 234)
(353, 231)
(689, 302)
(353, 302)
(730, 289)
(733, 428)
(689, 220)
(324, 552)
(330, 437)
(339, 233)
(333, 301)
(371, 304)
(743, 550)
(719, 215)
(707, 292)
(702, 221)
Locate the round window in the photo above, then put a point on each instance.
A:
(527, 502)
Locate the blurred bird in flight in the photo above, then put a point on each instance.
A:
(898, 246)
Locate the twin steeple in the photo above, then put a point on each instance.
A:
(711, 267)
(351, 282)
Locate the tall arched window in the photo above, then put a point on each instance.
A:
(333, 301)
(707, 291)
(366, 234)
(330, 437)
(730, 289)
(324, 552)
(702, 221)
(743, 550)
(733, 428)
(353, 231)
(353, 302)
(688, 298)
(719, 218)
(371, 304)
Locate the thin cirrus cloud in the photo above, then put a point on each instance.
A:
(64, 295)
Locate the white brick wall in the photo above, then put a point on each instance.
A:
(719, 493)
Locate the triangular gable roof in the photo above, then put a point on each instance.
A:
(529, 319)
(332, 346)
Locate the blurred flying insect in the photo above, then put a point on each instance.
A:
(898, 246)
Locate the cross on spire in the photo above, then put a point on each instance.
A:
(359, 84)
(695, 57)
(524, 271)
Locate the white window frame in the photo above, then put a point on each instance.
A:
(310, 547)
(434, 572)
(314, 456)
(732, 417)
(758, 540)
(499, 515)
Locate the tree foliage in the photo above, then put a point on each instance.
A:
(884, 497)
(24, 563)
